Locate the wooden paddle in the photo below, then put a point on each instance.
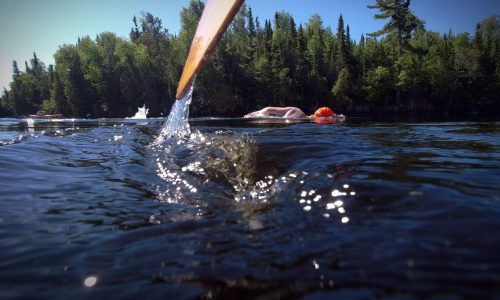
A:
(213, 23)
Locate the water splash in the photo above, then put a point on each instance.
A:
(141, 113)
(218, 164)
(177, 121)
(224, 166)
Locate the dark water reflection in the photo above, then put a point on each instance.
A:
(357, 210)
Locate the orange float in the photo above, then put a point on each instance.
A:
(324, 112)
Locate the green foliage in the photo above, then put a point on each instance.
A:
(27, 89)
(189, 21)
(49, 106)
(400, 67)
(342, 88)
(402, 23)
(69, 70)
(378, 86)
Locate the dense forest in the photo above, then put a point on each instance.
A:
(403, 68)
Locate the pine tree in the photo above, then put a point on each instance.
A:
(268, 36)
(301, 68)
(251, 23)
(402, 22)
(362, 55)
(27, 68)
(134, 32)
(314, 53)
(15, 69)
(348, 41)
(342, 49)
(57, 95)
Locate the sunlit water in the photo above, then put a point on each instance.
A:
(236, 208)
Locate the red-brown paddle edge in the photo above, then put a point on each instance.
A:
(213, 23)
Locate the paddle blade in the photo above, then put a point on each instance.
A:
(213, 23)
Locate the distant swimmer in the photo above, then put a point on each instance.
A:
(323, 113)
(283, 112)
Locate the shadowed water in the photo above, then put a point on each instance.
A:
(240, 209)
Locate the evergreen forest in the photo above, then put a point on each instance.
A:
(400, 69)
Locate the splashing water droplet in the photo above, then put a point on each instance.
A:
(177, 121)
(316, 265)
(338, 203)
(330, 206)
(90, 281)
(142, 113)
(336, 193)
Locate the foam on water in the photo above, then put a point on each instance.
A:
(177, 121)
(142, 113)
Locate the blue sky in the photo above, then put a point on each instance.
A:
(40, 26)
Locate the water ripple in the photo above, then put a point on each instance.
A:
(100, 208)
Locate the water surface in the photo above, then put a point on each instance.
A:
(242, 209)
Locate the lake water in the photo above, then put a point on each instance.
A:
(239, 209)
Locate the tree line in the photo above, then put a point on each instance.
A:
(402, 68)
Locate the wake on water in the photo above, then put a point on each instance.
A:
(205, 169)
(188, 161)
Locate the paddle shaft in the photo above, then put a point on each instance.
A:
(213, 23)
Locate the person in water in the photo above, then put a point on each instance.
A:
(290, 113)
